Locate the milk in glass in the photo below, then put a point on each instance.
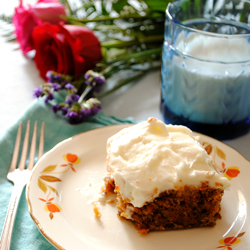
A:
(206, 80)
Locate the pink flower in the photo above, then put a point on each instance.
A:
(30, 16)
(49, 12)
(47, 1)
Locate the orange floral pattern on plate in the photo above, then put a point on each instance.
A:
(47, 178)
(227, 243)
(219, 160)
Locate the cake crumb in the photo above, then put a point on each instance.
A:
(109, 185)
(111, 201)
(96, 210)
(127, 200)
(217, 184)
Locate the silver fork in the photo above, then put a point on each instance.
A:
(20, 176)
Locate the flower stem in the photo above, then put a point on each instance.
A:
(85, 92)
(108, 18)
(127, 81)
(138, 41)
(136, 55)
(68, 6)
(119, 44)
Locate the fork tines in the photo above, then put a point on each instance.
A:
(25, 147)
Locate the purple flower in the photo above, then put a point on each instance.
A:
(74, 117)
(64, 110)
(37, 92)
(69, 86)
(57, 78)
(74, 97)
(90, 82)
(49, 74)
(53, 77)
(93, 78)
(75, 111)
(87, 75)
(55, 86)
(86, 112)
(56, 108)
(95, 110)
(91, 107)
(88, 108)
(71, 99)
(71, 114)
(49, 97)
(100, 80)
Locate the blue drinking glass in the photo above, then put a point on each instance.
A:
(205, 76)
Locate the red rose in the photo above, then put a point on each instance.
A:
(28, 17)
(65, 49)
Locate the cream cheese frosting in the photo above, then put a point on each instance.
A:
(152, 157)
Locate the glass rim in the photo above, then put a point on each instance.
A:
(207, 33)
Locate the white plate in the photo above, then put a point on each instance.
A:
(59, 188)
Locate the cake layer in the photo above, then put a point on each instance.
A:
(151, 157)
(187, 207)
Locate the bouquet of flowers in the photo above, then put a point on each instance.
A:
(79, 45)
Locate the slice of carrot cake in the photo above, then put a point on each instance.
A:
(163, 177)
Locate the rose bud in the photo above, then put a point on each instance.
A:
(53, 13)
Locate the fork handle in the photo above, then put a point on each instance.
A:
(10, 217)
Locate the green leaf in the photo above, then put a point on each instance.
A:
(157, 5)
(115, 52)
(118, 6)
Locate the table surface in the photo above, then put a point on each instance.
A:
(19, 76)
